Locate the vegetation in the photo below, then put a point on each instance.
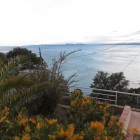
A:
(115, 82)
(51, 85)
(135, 99)
(3, 57)
(39, 91)
(28, 102)
(12, 85)
(34, 60)
(99, 125)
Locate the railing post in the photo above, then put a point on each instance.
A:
(116, 98)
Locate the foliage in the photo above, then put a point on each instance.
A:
(115, 81)
(135, 102)
(51, 86)
(89, 114)
(3, 57)
(21, 127)
(39, 91)
(34, 60)
(10, 83)
(12, 67)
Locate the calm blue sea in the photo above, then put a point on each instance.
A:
(92, 58)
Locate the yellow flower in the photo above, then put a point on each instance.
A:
(77, 137)
(97, 125)
(129, 130)
(86, 101)
(5, 111)
(19, 116)
(121, 125)
(62, 134)
(2, 119)
(107, 115)
(38, 126)
(27, 129)
(23, 122)
(96, 138)
(114, 118)
(71, 129)
(7, 121)
(32, 120)
(26, 137)
(74, 103)
(106, 107)
(109, 138)
(52, 121)
(101, 107)
(135, 130)
(67, 134)
(51, 137)
(16, 138)
(112, 121)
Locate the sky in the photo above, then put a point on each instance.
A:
(26, 22)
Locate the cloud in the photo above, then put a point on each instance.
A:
(52, 21)
(132, 34)
(115, 37)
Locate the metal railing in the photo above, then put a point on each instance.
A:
(110, 95)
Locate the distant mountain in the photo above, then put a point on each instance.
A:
(82, 44)
(135, 43)
(75, 44)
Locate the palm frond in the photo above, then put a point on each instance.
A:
(12, 67)
(15, 82)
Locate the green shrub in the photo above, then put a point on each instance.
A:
(21, 127)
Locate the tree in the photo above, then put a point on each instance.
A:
(114, 81)
(34, 60)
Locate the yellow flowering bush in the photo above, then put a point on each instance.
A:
(88, 120)
(95, 118)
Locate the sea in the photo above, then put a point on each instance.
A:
(88, 59)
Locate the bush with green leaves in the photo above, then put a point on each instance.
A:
(115, 82)
(34, 60)
(40, 90)
(94, 127)
(3, 57)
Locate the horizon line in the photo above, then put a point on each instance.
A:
(52, 44)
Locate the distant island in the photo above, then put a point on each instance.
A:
(77, 44)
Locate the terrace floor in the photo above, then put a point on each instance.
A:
(134, 120)
(134, 123)
(131, 120)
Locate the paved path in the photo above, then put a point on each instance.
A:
(134, 123)
(134, 120)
